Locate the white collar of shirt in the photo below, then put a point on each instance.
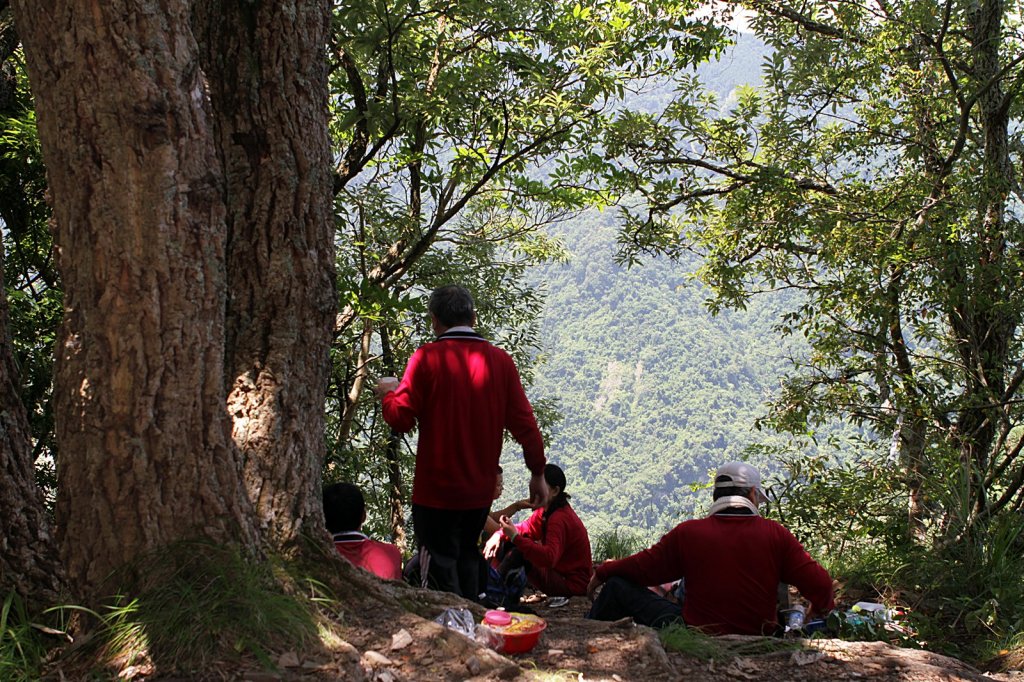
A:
(349, 536)
(732, 501)
(459, 328)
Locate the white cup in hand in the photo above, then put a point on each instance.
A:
(385, 385)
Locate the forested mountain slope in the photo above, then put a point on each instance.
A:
(653, 389)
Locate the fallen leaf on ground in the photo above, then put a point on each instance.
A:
(400, 639)
(375, 658)
(288, 659)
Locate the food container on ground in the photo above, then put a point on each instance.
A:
(520, 634)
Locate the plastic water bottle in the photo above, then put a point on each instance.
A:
(794, 618)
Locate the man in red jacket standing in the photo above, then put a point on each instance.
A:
(731, 562)
(463, 392)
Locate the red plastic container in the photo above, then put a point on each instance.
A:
(522, 633)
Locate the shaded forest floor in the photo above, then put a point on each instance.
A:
(378, 643)
(573, 648)
(367, 630)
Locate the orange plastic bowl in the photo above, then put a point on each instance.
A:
(522, 634)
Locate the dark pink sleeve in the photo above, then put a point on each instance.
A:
(806, 574)
(531, 526)
(653, 566)
(545, 555)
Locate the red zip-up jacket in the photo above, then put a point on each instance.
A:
(463, 392)
(380, 558)
(563, 548)
(732, 565)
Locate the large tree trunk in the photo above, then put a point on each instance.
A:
(28, 553)
(145, 451)
(267, 71)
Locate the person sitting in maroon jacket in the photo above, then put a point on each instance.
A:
(552, 545)
(731, 562)
(344, 514)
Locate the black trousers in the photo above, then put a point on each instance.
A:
(620, 598)
(451, 538)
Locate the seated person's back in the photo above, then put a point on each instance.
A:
(732, 562)
(733, 565)
(344, 513)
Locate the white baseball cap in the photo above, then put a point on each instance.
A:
(740, 475)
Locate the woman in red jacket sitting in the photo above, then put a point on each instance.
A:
(552, 545)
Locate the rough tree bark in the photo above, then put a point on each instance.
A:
(267, 71)
(28, 554)
(146, 455)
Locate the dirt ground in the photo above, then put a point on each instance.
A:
(380, 631)
(384, 648)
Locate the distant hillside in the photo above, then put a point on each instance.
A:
(739, 65)
(655, 392)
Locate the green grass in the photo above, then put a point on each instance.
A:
(546, 675)
(22, 646)
(695, 644)
(972, 603)
(198, 604)
(616, 544)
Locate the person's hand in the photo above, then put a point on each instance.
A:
(538, 491)
(492, 545)
(592, 586)
(520, 505)
(508, 528)
(385, 385)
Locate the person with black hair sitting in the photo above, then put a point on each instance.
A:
(344, 514)
(731, 562)
(552, 547)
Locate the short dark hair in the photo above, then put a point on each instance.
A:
(729, 490)
(452, 305)
(344, 507)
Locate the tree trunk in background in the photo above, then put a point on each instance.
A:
(146, 456)
(392, 454)
(28, 555)
(396, 509)
(912, 444)
(984, 320)
(362, 375)
(267, 71)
